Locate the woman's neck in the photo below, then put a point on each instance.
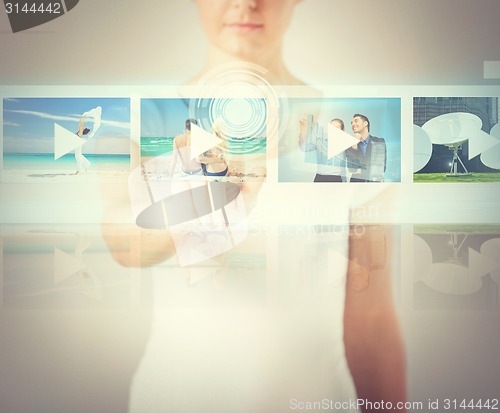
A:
(274, 70)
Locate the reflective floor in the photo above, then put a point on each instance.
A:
(255, 327)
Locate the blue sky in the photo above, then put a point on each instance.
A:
(28, 124)
(163, 117)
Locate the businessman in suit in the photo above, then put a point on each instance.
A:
(367, 159)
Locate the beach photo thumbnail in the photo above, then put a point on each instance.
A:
(341, 140)
(221, 139)
(65, 140)
(456, 139)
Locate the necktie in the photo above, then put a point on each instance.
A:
(363, 145)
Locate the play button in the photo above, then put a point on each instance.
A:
(480, 142)
(65, 141)
(65, 265)
(338, 140)
(202, 141)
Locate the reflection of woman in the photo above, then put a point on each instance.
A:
(82, 163)
(213, 161)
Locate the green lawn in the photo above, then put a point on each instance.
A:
(441, 177)
(470, 229)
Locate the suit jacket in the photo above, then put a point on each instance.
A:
(372, 165)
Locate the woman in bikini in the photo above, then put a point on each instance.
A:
(213, 161)
(182, 150)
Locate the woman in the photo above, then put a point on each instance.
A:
(213, 161)
(182, 151)
(247, 31)
(328, 169)
(213, 357)
(82, 163)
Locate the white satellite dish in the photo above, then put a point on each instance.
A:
(491, 157)
(422, 148)
(452, 278)
(422, 258)
(495, 131)
(490, 249)
(452, 130)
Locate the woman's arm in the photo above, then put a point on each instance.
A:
(373, 344)
(81, 123)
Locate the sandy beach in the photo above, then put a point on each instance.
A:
(242, 168)
(33, 176)
(42, 168)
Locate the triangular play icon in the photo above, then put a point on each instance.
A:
(65, 141)
(481, 142)
(480, 265)
(202, 141)
(338, 140)
(65, 265)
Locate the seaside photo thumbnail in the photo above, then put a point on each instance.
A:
(65, 140)
(222, 139)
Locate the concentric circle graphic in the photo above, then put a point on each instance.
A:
(241, 121)
(246, 108)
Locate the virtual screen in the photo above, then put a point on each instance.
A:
(249, 206)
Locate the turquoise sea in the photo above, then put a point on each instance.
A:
(156, 146)
(66, 162)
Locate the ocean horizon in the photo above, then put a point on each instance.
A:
(160, 145)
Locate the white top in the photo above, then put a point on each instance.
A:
(258, 329)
